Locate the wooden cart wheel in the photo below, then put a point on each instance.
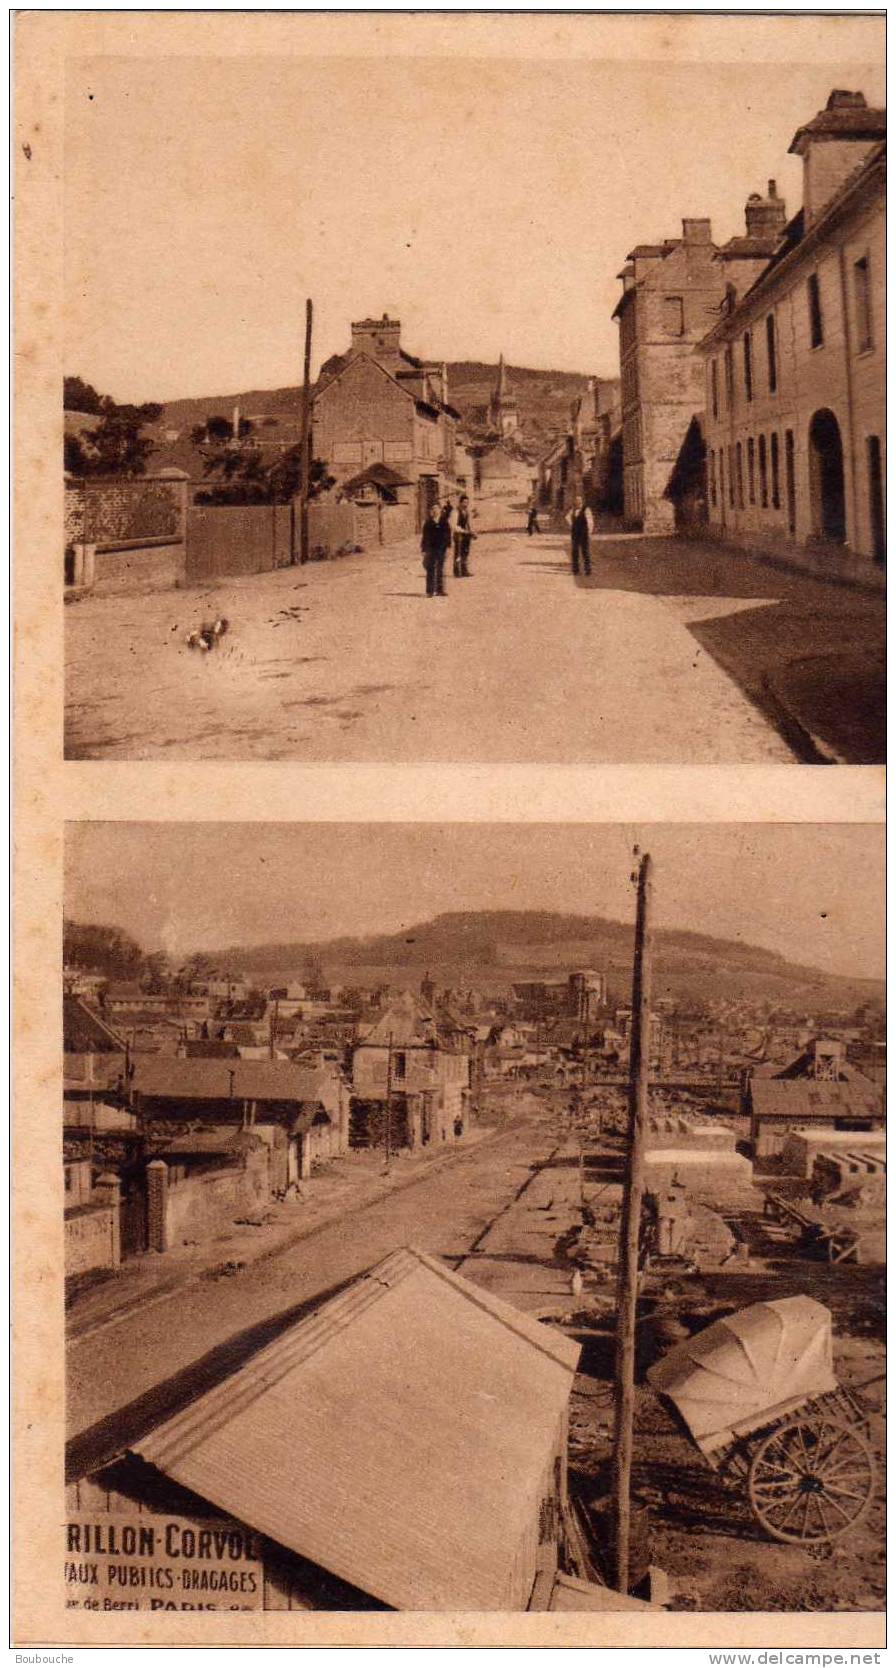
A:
(811, 1479)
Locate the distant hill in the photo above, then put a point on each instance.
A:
(543, 398)
(493, 948)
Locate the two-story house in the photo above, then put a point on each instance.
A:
(410, 1071)
(381, 420)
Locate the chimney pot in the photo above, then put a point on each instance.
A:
(772, 188)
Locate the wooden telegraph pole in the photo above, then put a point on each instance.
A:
(305, 443)
(388, 1129)
(629, 1232)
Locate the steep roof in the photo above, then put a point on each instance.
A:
(406, 1021)
(398, 1437)
(83, 1032)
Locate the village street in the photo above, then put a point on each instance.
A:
(123, 1377)
(349, 661)
(499, 1212)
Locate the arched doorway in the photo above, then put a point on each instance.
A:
(828, 497)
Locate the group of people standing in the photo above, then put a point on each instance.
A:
(437, 539)
(442, 530)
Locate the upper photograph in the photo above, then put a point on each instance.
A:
(429, 403)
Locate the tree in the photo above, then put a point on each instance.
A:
(218, 431)
(101, 949)
(117, 445)
(248, 475)
(312, 972)
(78, 395)
(198, 968)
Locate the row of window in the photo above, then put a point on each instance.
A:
(864, 338)
(751, 474)
(771, 368)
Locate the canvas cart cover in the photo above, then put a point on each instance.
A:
(769, 1358)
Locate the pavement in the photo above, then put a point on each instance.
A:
(348, 660)
(808, 652)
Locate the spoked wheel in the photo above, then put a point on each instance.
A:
(811, 1479)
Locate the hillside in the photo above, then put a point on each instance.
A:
(491, 949)
(543, 397)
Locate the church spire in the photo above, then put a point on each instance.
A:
(503, 413)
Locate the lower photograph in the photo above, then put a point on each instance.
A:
(473, 1217)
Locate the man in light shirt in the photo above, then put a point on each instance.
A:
(581, 524)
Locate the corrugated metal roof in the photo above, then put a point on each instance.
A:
(396, 1438)
(176, 1078)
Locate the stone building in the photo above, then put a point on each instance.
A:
(300, 1114)
(596, 421)
(671, 295)
(555, 474)
(416, 1065)
(378, 404)
(501, 472)
(584, 459)
(503, 413)
(793, 369)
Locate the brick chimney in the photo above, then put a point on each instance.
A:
(696, 231)
(766, 217)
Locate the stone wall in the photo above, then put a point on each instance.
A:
(193, 1207)
(116, 510)
(91, 1238)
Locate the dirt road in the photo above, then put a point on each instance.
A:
(126, 1376)
(350, 661)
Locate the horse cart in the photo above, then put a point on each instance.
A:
(758, 1395)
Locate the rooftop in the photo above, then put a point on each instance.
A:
(300, 1443)
(173, 1078)
(845, 116)
(83, 1032)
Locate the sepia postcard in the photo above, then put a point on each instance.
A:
(346, 1120)
(349, 333)
(448, 1157)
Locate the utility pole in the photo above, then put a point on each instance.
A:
(305, 443)
(388, 1129)
(721, 1077)
(629, 1232)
